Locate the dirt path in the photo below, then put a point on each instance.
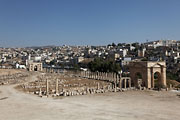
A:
(132, 105)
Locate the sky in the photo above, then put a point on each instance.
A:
(87, 22)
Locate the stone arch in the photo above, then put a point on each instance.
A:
(147, 69)
(139, 79)
(124, 82)
(157, 79)
(128, 82)
(35, 68)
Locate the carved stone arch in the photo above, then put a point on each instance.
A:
(147, 69)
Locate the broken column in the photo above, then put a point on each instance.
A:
(98, 87)
(40, 92)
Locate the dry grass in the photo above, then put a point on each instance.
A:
(10, 71)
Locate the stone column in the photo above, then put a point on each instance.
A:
(47, 87)
(40, 92)
(129, 82)
(112, 86)
(80, 74)
(117, 76)
(112, 76)
(98, 87)
(170, 86)
(106, 76)
(124, 83)
(84, 74)
(120, 83)
(102, 75)
(97, 75)
(57, 86)
(115, 86)
(87, 73)
(163, 76)
(152, 78)
(91, 75)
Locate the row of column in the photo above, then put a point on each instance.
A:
(124, 82)
(52, 70)
(100, 75)
(116, 79)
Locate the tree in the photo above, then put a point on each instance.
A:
(76, 67)
(102, 65)
(113, 44)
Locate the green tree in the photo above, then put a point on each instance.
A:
(102, 65)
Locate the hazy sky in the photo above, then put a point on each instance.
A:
(87, 22)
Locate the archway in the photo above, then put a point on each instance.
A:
(157, 80)
(35, 68)
(147, 70)
(123, 84)
(128, 82)
(139, 80)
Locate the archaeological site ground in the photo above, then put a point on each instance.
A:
(69, 96)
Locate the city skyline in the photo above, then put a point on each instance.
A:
(41, 23)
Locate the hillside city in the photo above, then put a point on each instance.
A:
(109, 58)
